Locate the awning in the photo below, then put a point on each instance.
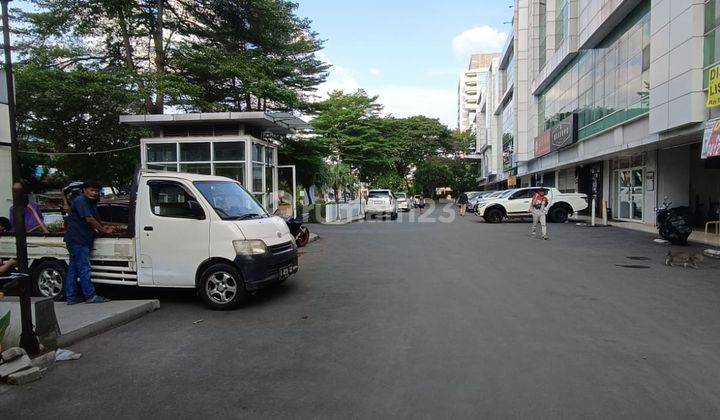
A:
(275, 122)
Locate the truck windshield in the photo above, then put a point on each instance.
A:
(230, 200)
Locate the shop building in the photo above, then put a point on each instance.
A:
(237, 145)
(617, 103)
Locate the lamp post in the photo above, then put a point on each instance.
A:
(28, 339)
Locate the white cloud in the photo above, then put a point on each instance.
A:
(374, 72)
(340, 78)
(406, 101)
(479, 39)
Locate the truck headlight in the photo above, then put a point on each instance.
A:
(250, 247)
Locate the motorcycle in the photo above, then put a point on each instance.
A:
(297, 230)
(672, 224)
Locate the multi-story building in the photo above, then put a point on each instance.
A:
(470, 86)
(608, 98)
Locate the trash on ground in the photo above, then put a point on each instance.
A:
(660, 241)
(198, 321)
(65, 354)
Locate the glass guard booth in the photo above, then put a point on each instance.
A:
(234, 145)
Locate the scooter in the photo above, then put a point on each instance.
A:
(672, 225)
(297, 230)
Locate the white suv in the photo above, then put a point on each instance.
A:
(404, 202)
(381, 202)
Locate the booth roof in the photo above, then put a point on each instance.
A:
(276, 122)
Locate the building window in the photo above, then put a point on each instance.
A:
(607, 85)
(542, 32)
(227, 159)
(562, 22)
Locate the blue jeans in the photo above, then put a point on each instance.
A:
(79, 266)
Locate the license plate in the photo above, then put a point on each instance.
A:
(378, 202)
(286, 271)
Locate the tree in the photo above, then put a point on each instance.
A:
(308, 156)
(431, 174)
(247, 55)
(413, 140)
(76, 111)
(111, 57)
(350, 127)
(340, 178)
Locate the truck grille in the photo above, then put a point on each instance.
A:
(280, 248)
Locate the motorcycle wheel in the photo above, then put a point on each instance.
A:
(303, 237)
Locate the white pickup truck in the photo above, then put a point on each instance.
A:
(185, 231)
(516, 203)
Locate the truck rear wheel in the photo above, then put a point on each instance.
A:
(48, 279)
(222, 287)
(559, 215)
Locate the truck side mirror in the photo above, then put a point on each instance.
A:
(196, 210)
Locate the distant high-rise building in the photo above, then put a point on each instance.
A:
(472, 83)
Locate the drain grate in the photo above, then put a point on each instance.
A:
(631, 266)
(638, 258)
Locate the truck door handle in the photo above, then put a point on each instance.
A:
(148, 228)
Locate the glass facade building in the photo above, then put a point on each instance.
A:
(606, 86)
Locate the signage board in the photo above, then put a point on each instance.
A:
(713, 87)
(564, 133)
(542, 144)
(711, 140)
(560, 135)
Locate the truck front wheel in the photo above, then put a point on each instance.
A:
(48, 279)
(493, 215)
(222, 287)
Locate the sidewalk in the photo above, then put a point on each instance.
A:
(58, 324)
(699, 237)
(81, 321)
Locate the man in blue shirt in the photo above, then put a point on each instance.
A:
(82, 224)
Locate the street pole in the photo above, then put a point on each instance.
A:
(28, 339)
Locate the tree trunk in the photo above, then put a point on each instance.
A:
(128, 56)
(159, 56)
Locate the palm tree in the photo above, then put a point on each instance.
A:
(340, 177)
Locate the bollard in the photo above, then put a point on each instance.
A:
(604, 213)
(592, 213)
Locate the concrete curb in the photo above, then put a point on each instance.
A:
(107, 323)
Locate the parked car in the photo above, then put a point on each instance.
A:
(381, 202)
(487, 195)
(516, 203)
(187, 231)
(404, 202)
(473, 197)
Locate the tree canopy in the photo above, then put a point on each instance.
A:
(83, 63)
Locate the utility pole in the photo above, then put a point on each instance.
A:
(28, 339)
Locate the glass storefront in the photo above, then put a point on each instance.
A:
(606, 86)
(629, 176)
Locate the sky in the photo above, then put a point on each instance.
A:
(409, 52)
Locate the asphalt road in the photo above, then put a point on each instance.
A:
(423, 319)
